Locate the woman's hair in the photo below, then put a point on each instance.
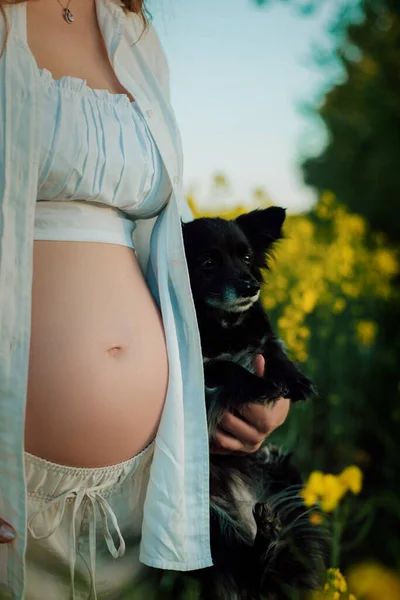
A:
(135, 6)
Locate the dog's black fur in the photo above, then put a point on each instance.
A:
(262, 543)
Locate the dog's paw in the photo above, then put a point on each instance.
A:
(268, 525)
(273, 391)
(301, 388)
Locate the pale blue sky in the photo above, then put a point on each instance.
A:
(239, 75)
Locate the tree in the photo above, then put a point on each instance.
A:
(361, 162)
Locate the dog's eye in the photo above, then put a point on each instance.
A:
(208, 263)
(247, 258)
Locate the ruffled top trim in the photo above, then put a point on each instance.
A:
(75, 85)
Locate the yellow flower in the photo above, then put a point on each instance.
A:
(309, 497)
(339, 581)
(339, 305)
(386, 262)
(303, 332)
(328, 490)
(333, 493)
(305, 228)
(269, 302)
(283, 323)
(356, 225)
(316, 518)
(313, 489)
(351, 477)
(327, 197)
(350, 289)
(335, 587)
(316, 482)
(302, 356)
(366, 332)
(309, 301)
(372, 581)
(322, 211)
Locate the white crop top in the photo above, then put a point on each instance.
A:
(100, 169)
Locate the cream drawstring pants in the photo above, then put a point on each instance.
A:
(84, 529)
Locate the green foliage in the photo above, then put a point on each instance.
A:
(361, 161)
(360, 164)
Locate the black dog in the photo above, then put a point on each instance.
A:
(262, 543)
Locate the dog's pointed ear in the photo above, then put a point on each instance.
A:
(262, 227)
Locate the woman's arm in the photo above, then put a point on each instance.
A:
(243, 435)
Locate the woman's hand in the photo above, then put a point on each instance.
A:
(7, 533)
(243, 435)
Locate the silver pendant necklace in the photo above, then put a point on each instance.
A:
(67, 14)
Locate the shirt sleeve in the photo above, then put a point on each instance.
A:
(161, 71)
(160, 63)
(186, 212)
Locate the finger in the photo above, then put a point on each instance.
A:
(225, 443)
(7, 533)
(265, 419)
(259, 364)
(248, 435)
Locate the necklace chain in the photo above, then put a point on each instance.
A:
(67, 14)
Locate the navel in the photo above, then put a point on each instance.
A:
(114, 350)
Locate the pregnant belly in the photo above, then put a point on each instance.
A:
(98, 369)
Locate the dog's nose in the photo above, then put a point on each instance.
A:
(248, 287)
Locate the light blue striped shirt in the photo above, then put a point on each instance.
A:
(176, 513)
